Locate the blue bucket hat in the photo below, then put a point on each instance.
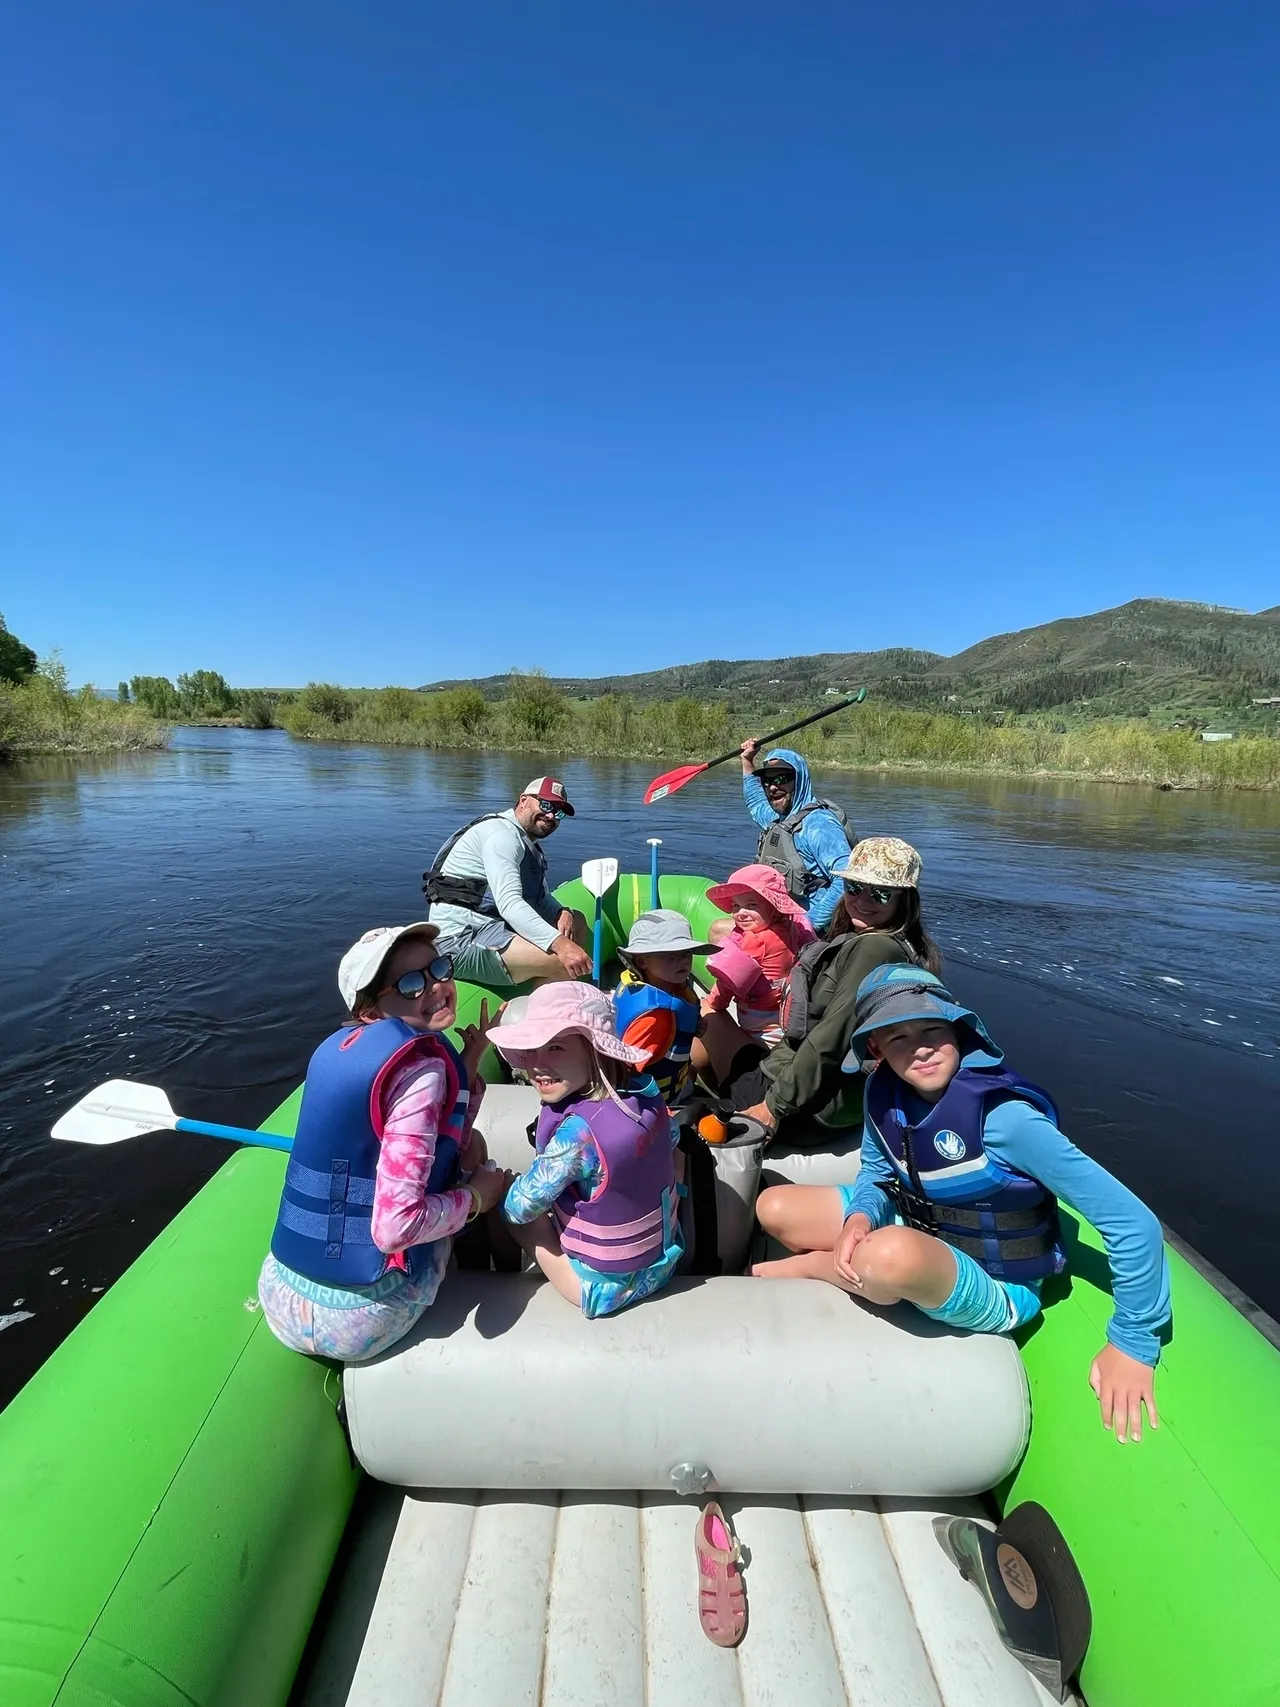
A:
(892, 994)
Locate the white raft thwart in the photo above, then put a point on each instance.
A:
(574, 1600)
(777, 1386)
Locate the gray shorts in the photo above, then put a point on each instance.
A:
(477, 953)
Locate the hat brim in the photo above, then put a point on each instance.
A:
(898, 1010)
(527, 1034)
(627, 955)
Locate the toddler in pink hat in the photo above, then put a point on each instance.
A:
(755, 958)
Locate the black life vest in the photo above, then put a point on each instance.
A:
(474, 893)
(777, 847)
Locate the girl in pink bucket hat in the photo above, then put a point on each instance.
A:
(756, 955)
(598, 1208)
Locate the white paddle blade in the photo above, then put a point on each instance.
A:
(599, 876)
(116, 1110)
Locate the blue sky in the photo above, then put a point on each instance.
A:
(389, 343)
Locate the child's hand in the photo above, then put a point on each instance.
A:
(1123, 1386)
(490, 1184)
(473, 1153)
(474, 1041)
(852, 1234)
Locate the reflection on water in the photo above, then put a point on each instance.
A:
(177, 917)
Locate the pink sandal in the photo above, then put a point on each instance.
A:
(722, 1601)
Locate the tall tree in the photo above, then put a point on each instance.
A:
(17, 662)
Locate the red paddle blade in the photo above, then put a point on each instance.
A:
(670, 781)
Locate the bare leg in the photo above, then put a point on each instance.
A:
(802, 1217)
(892, 1263)
(522, 960)
(719, 931)
(542, 1242)
(719, 1043)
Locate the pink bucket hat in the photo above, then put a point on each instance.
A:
(554, 1009)
(764, 883)
(734, 968)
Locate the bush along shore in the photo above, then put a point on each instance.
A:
(41, 714)
(535, 716)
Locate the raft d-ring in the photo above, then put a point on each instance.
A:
(688, 1479)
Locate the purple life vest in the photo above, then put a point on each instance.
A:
(947, 1184)
(630, 1219)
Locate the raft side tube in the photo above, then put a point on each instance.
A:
(174, 1482)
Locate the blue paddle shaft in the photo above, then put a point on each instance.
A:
(595, 942)
(654, 900)
(236, 1134)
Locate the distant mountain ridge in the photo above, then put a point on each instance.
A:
(1147, 655)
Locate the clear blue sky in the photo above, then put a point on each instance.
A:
(393, 342)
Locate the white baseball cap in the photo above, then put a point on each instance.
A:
(361, 963)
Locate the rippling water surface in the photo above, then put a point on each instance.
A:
(177, 918)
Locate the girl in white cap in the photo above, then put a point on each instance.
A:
(375, 1185)
(598, 1206)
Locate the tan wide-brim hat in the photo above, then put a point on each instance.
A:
(886, 860)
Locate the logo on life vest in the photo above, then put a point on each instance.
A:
(949, 1145)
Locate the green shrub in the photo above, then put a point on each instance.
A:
(535, 708)
(329, 703)
(256, 710)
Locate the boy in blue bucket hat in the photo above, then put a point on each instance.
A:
(955, 1208)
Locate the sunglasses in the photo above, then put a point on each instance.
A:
(876, 891)
(549, 809)
(777, 779)
(414, 983)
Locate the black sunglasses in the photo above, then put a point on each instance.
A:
(549, 809)
(777, 779)
(877, 891)
(415, 982)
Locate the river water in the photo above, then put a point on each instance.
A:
(177, 918)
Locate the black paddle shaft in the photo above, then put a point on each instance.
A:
(814, 717)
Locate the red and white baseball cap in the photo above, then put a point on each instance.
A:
(549, 788)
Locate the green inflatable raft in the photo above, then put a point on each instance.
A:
(175, 1485)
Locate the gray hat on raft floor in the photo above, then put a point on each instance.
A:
(891, 995)
(663, 931)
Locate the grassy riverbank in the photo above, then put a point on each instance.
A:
(42, 715)
(535, 717)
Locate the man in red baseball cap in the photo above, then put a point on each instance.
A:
(487, 894)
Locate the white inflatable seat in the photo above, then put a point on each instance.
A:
(574, 1599)
(776, 1386)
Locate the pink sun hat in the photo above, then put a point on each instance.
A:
(554, 1009)
(764, 883)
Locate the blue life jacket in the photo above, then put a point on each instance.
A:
(673, 1072)
(474, 893)
(948, 1185)
(322, 1230)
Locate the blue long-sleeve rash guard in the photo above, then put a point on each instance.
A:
(1021, 1137)
(820, 841)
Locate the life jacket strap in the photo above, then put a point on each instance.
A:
(954, 1225)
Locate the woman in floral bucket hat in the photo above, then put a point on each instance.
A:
(877, 923)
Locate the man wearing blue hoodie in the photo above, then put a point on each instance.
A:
(803, 837)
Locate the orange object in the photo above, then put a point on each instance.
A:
(713, 1129)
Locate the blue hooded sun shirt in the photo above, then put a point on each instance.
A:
(820, 841)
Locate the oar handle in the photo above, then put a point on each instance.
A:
(814, 717)
(236, 1134)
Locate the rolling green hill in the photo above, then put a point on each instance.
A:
(1165, 658)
